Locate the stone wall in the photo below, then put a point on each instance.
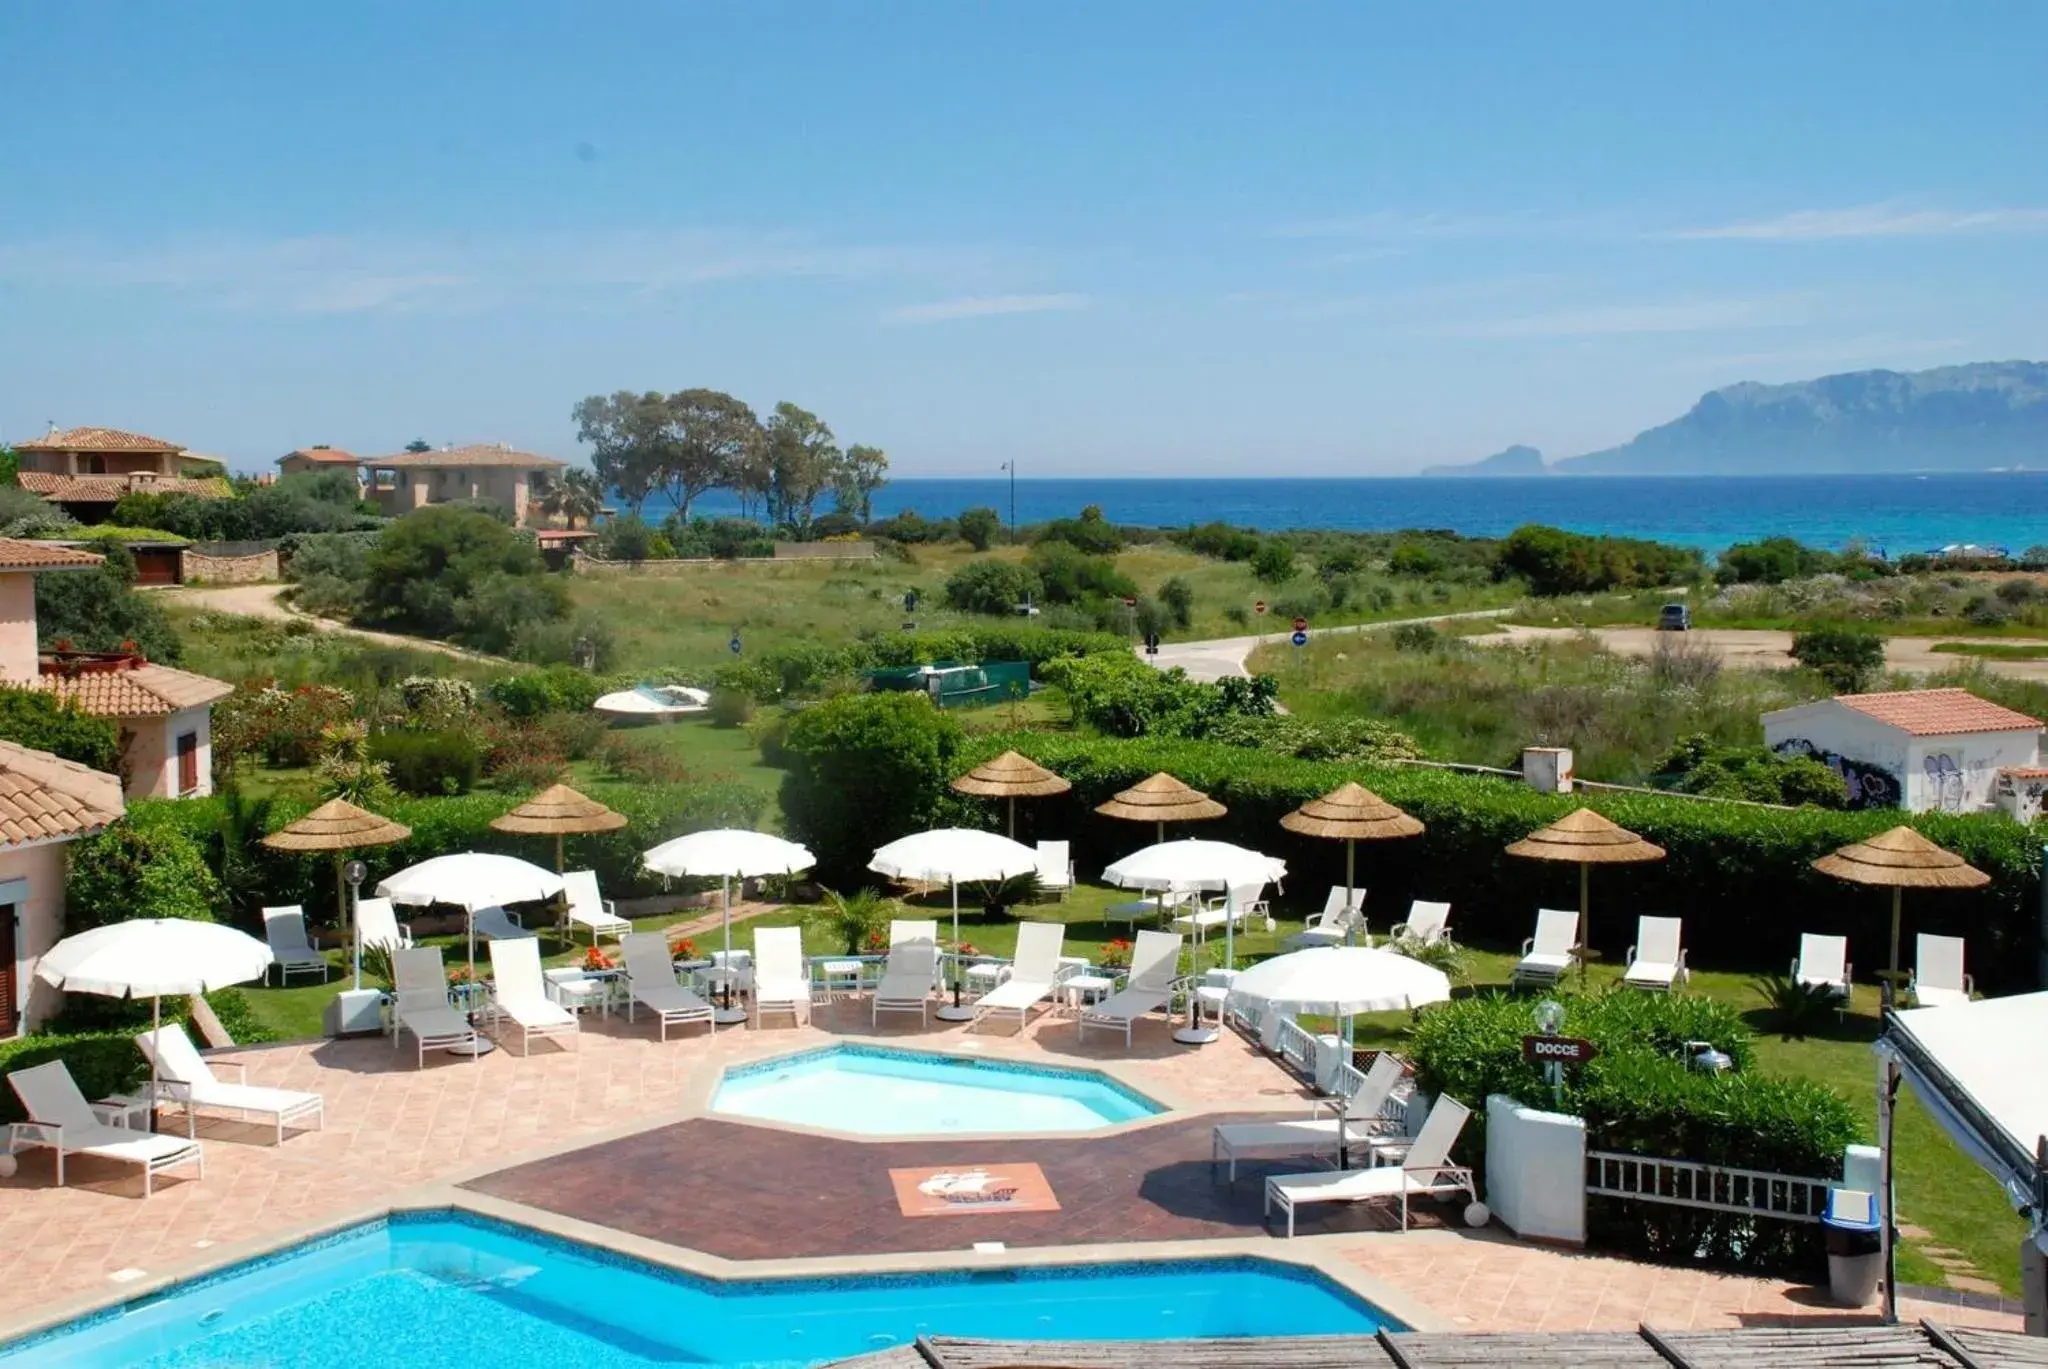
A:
(246, 569)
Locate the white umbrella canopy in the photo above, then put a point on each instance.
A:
(471, 880)
(1194, 864)
(951, 855)
(729, 853)
(151, 957)
(1340, 981)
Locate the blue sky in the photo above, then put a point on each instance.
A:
(1131, 239)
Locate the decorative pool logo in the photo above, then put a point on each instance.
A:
(953, 1189)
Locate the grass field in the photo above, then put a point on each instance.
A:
(1940, 1189)
(1712, 607)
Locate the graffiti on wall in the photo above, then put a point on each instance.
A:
(1944, 782)
(1870, 786)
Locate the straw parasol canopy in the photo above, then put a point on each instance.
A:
(1011, 777)
(1899, 860)
(1351, 814)
(1160, 800)
(338, 826)
(1584, 838)
(559, 811)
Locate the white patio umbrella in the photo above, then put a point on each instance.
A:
(1342, 981)
(1194, 865)
(730, 854)
(151, 957)
(951, 855)
(469, 881)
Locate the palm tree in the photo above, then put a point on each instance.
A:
(577, 498)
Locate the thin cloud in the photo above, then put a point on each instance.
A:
(1871, 221)
(1613, 320)
(985, 306)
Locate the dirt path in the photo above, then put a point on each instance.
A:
(1223, 656)
(1759, 649)
(262, 601)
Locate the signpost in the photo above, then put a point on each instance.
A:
(1151, 644)
(1300, 639)
(1301, 625)
(734, 644)
(1557, 1050)
(1259, 607)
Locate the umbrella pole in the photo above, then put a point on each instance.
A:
(558, 853)
(1898, 899)
(156, 1025)
(1350, 887)
(1585, 921)
(956, 942)
(1012, 801)
(1229, 924)
(727, 977)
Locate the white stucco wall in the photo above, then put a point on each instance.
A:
(152, 753)
(1830, 728)
(39, 924)
(1956, 774)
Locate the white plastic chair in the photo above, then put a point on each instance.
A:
(651, 980)
(1657, 960)
(591, 909)
(1427, 923)
(519, 992)
(496, 924)
(1823, 963)
(377, 925)
(60, 1119)
(1055, 868)
(780, 982)
(285, 929)
(1548, 954)
(1147, 987)
(1938, 980)
(1354, 1120)
(186, 1077)
(1034, 973)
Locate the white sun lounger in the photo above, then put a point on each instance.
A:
(1353, 1121)
(591, 909)
(1548, 954)
(520, 992)
(1427, 923)
(1657, 960)
(780, 983)
(1148, 987)
(1055, 868)
(1340, 920)
(61, 1120)
(1823, 963)
(1425, 1170)
(377, 925)
(285, 929)
(1034, 973)
(495, 924)
(651, 980)
(186, 1077)
(911, 972)
(1938, 979)
(419, 1003)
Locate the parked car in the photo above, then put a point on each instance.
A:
(1674, 618)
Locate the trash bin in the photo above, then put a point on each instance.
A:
(1854, 1251)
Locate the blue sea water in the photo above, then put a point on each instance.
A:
(427, 1290)
(904, 1093)
(1899, 513)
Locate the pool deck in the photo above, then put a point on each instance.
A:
(610, 1136)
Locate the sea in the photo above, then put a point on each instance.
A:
(1895, 514)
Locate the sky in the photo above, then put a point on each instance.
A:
(1101, 238)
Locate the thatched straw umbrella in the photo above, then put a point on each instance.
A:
(1160, 800)
(338, 826)
(559, 811)
(1011, 777)
(1586, 839)
(1899, 860)
(1351, 814)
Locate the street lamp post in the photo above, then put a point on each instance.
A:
(1011, 467)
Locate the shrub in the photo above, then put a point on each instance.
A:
(1772, 561)
(1069, 576)
(1237, 615)
(99, 610)
(1845, 657)
(1417, 637)
(864, 769)
(1554, 561)
(445, 571)
(1090, 533)
(1221, 541)
(42, 721)
(730, 707)
(1331, 739)
(131, 871)
(426, 763)
(626, 539)
(551, 689)
(102, 1063)
(1179, 598)
(979, 526)
(1416, 558)
(586, 641)
(991, 587)
(1274, 562)
(281, 726)
(577, 736)
(437, 693)
(627, 757)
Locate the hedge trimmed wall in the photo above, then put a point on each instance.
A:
(1741, 877)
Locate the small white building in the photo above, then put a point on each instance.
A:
(1916, 749)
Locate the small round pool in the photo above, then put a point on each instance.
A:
(872, 1092)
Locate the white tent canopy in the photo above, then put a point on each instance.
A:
(1339, 981)
(952, 856)
(727, 854)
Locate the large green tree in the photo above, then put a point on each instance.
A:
(862, 471)
(99, 610)
(803, 462)
(457, 573)
(577, 498)
(710, 437)
(626, 433)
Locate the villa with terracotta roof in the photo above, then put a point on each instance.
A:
(1916, 749)
(413, 480)
(309, 460)
(85, 471)
(166, 717)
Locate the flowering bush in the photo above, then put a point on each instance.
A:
(459, 974)
(683, 949)
(876, 944)
(281, 726)
(596, 959)
(1116, 955)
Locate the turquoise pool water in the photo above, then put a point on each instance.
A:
(428, 1290)
(901, 1093)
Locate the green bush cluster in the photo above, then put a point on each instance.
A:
(103, 1058)
(979, 527)
(1091, 533)
(43, 722)
(1124, 697)
(865, 769)
(131, 871)
(1554, 561)
(429, 763)
(1329, 739)
(1638, 1097)
(551, 689)
(1067, 575)
(1755, 773)
(991, 587)
(1847, 658)
(801, 670)
(100, 610)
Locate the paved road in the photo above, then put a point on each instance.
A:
(261, 601)
(1220, 656)
(1759, 649)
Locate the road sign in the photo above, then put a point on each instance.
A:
(1259, 607)
(1130, 601)
(1300, 639)
(734, 644)
(1557, 1050)
(910, 601)
(1301, 625)
(1151, 644)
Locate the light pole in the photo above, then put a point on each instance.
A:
(355, 872)
(1011, 467)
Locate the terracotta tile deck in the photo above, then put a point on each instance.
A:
(391, 1128)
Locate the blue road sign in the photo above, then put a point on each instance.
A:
(734, 644)
(1300, 639)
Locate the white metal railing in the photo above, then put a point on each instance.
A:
(1713, 1188)
(1297, 1046)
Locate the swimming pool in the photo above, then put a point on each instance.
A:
(872, 1092)
(427, 1289)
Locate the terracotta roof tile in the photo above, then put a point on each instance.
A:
(108, 489)
(42, 797)
(474, 455)
(96, 440)
(322, 454)
(1938, 712)
(136, 691)
(16, 554)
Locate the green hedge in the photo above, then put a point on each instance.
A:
(1637, 1096)
(443, 826)
(1741, 877)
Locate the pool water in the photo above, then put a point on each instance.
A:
(873, 1092)
(426, 1290)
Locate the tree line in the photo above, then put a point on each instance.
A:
(688, 443)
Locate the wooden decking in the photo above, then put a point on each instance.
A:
(1824, 1347)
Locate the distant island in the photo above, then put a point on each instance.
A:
(1516, 460)
(1988, 415)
